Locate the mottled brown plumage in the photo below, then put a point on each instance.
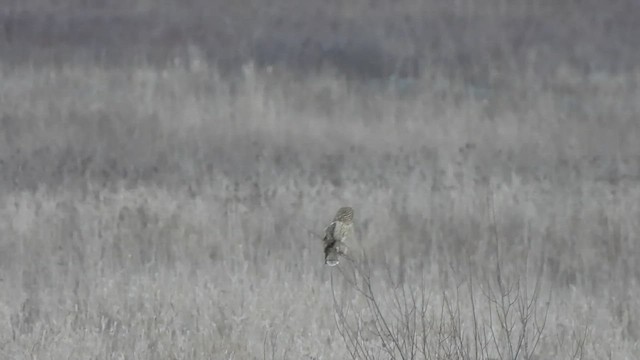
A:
(336, 235)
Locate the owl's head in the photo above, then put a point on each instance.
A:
(344, 214)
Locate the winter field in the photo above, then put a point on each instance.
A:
(168, 202)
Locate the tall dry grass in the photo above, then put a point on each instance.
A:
(170, 213)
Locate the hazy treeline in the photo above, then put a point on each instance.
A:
(364, 39)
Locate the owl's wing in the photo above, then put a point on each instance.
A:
(329, 232)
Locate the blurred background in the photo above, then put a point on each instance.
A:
(558, 77)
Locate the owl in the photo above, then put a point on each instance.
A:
(336, 235)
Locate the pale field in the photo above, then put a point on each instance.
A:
(174, 211)
(216, 254)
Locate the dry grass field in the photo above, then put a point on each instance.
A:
(167, 202)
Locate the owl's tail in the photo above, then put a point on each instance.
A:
(331, 256)
(333, 252)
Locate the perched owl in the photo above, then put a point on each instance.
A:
(336, 235)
